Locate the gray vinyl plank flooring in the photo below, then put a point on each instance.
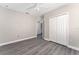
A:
(36, 46)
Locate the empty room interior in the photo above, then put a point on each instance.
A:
(39, 28)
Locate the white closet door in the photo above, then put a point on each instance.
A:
(59, 29)
(62, 29)
(52, 29)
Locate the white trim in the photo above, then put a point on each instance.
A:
(69, 46)
(72, 47)
(18, 40)
(46, 39)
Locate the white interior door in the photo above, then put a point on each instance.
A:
(62, 29)
(59, 29)
(52, 29)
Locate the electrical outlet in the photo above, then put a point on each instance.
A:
(17, 35)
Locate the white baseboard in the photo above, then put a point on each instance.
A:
(69, 46)
(46, 39)
(72, 47)
(18, 40)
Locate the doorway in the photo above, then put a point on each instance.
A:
(39, 28)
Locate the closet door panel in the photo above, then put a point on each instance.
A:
(52, 29)
(62, 22)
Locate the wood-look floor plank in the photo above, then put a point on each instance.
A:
(36, 46)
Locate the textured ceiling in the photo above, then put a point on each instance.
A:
(36, 9)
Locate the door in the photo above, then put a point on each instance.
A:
(62, 29)
(59, 29)
(52, 29)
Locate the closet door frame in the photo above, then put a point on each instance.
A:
(67, 34)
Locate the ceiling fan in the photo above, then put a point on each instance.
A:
(34, 7)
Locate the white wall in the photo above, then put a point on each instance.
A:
(73, 10)
(15, 25)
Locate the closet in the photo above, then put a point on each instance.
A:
(59, 29)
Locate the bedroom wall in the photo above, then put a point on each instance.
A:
(15, 25)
